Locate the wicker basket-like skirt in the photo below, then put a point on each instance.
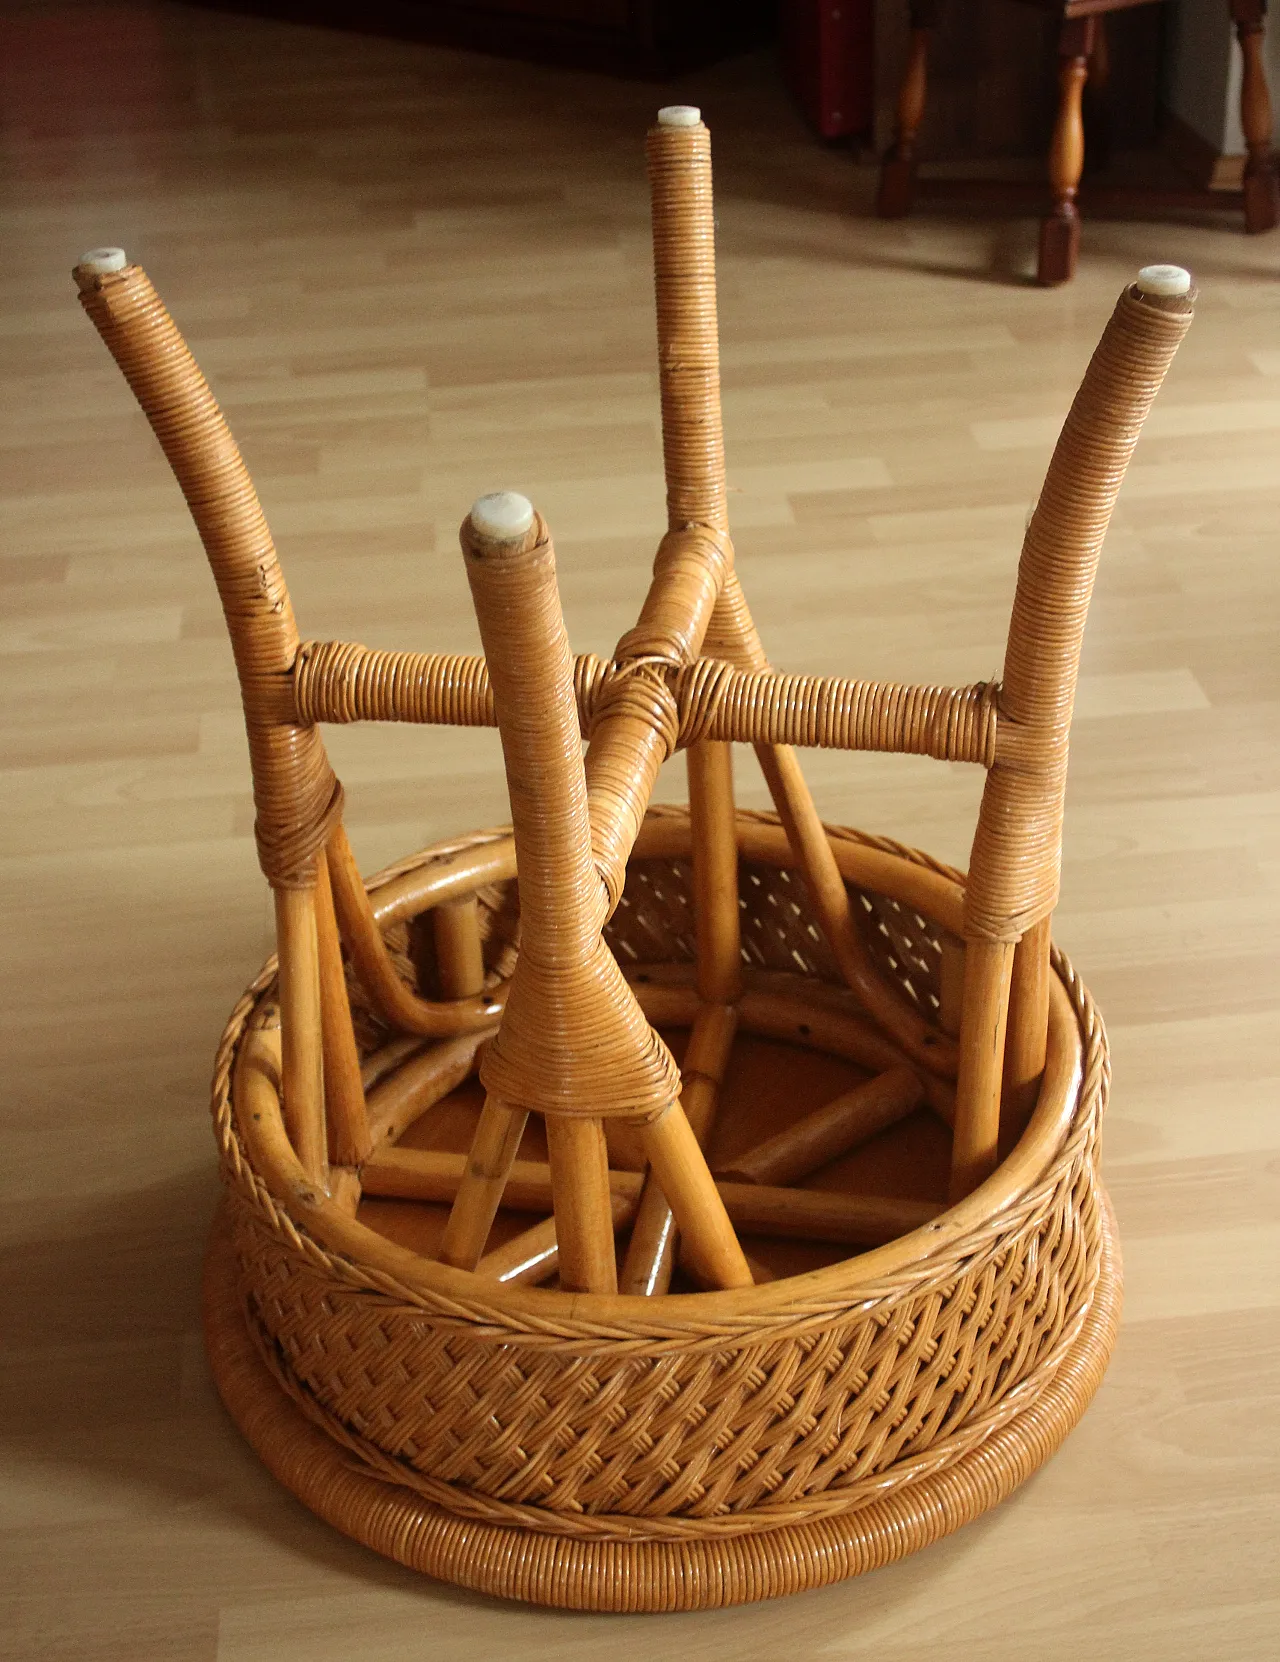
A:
(696, 1449)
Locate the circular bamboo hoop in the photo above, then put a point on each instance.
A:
(682, 1451)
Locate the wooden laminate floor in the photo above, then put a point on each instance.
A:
(412, 275)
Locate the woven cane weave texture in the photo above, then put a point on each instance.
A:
(674, 1427)
(642, 1575)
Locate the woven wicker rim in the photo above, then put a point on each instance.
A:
(635, 1576)
(792, 1304)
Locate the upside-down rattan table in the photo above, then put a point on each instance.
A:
(594, 1337)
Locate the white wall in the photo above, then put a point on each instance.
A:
(1203, 72)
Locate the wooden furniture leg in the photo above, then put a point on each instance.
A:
(1097, 106)
(1261, 194)
(898, 170)
(1060, 230)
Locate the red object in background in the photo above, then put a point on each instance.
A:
(828, 62)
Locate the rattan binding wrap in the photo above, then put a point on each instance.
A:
(827, 1421)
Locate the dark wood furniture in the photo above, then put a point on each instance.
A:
(1082, 55)
(641, 38)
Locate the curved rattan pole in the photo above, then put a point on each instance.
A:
(874, 864)
(793, 1009)
(342, 681)
(297, 797)
(635, 722)
(408, 1090)
(396, 1002)
(1015, 863)
(573, 1043)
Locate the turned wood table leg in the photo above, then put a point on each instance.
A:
(898, 170)
(1097, 103)
(1261, 197)
(1060, 230)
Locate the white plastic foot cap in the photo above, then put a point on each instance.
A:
(1164, 280)
(679, 115)
(502, 516)
(100, 261)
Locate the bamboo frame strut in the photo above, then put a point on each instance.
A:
(533, 1256)
(755, 1208)
(712, 700)
(830, 1131)
(459, 953)
(651, 1252)
(493, 1151)
(1027, 1030)
(302, 1066)
(349, 1139)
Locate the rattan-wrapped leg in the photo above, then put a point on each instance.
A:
(679, 155)
(573, 1043)
(1015, 862)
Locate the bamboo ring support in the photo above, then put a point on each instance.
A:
(594, 1337)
